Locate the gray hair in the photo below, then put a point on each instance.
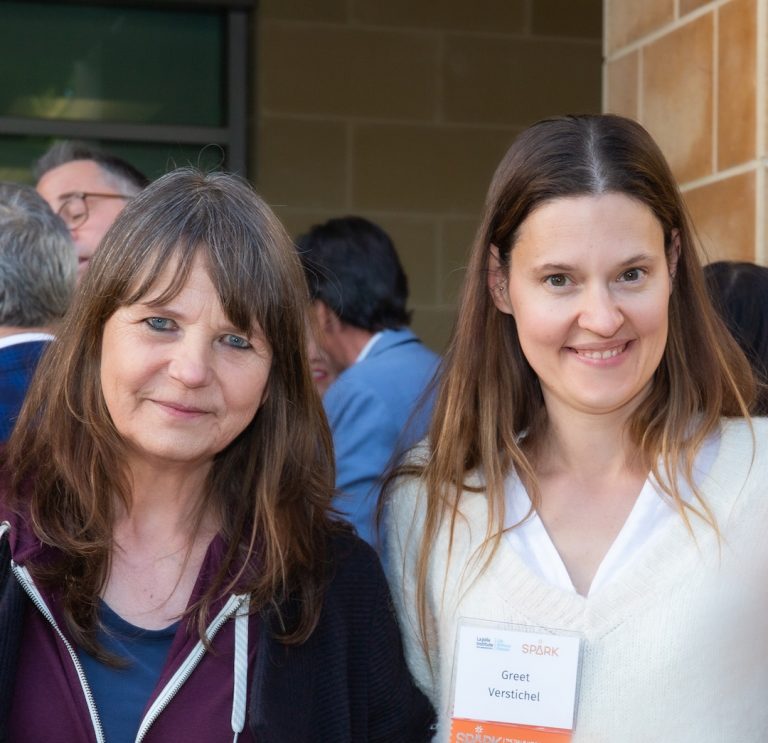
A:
(120, 173)
(38, 265)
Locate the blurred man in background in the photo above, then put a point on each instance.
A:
(382, 369)
(87, 188)
(37, 277)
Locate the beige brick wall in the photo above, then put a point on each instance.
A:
(400, 111)
(694, 73)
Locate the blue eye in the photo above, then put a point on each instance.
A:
(159, 323)
(557, 280)
(236, 341)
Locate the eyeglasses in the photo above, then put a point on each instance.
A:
(74, 209)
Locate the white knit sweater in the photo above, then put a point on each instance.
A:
(676, 647)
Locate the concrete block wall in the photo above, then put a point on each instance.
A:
(694, 73)
(401, 110)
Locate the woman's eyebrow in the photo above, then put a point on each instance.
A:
(554, 267)
(565, 267)
(639, 258)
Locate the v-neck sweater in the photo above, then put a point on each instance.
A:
(650, 512)
(674, 644)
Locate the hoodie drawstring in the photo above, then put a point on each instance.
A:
(240, 691)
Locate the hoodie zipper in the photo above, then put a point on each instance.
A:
(25, 579)
(184, 671)
(175, 683)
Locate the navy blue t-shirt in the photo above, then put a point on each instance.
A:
(121, 694)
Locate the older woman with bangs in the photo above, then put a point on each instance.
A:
(169, 565)
(577, 550)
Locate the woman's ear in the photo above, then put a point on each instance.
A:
(498, 283)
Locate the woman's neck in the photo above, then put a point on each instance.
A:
(594, 446)
(164, 502)
(160, 541)
(589, 475)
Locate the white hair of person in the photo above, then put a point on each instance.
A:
(38, 265)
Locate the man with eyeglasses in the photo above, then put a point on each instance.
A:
(87, 188)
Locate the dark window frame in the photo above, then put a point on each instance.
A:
(235, 137)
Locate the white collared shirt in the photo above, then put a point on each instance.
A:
(367, 347)
(652, 510)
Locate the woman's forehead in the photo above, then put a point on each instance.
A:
(163, 273)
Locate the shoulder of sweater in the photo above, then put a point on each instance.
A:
(734, 486)
(347, 549)
(355, 581)
(355, 567)
(407, 507)
(410, 488)
(741, 429)
(743, 448)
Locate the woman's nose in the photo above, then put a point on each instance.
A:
(190, 363)
(600, 312)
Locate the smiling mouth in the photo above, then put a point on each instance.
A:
(596, 355)
(180, 408)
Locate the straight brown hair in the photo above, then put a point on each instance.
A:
(489, 395)
(271, 488)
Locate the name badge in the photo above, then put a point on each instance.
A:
(514, 684)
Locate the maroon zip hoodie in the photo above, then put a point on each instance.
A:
(49, 703)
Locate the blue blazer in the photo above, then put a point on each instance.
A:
(369, 408)
(17, 365)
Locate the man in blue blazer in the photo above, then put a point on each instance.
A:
(38, 266)
(381, 401)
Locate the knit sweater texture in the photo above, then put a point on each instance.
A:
(674, 647)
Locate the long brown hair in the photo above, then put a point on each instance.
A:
(270, 488)
(489, 395)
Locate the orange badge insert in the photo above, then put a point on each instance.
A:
(472, 731)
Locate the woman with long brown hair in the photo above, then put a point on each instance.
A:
(591, 470)
(171, 568)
